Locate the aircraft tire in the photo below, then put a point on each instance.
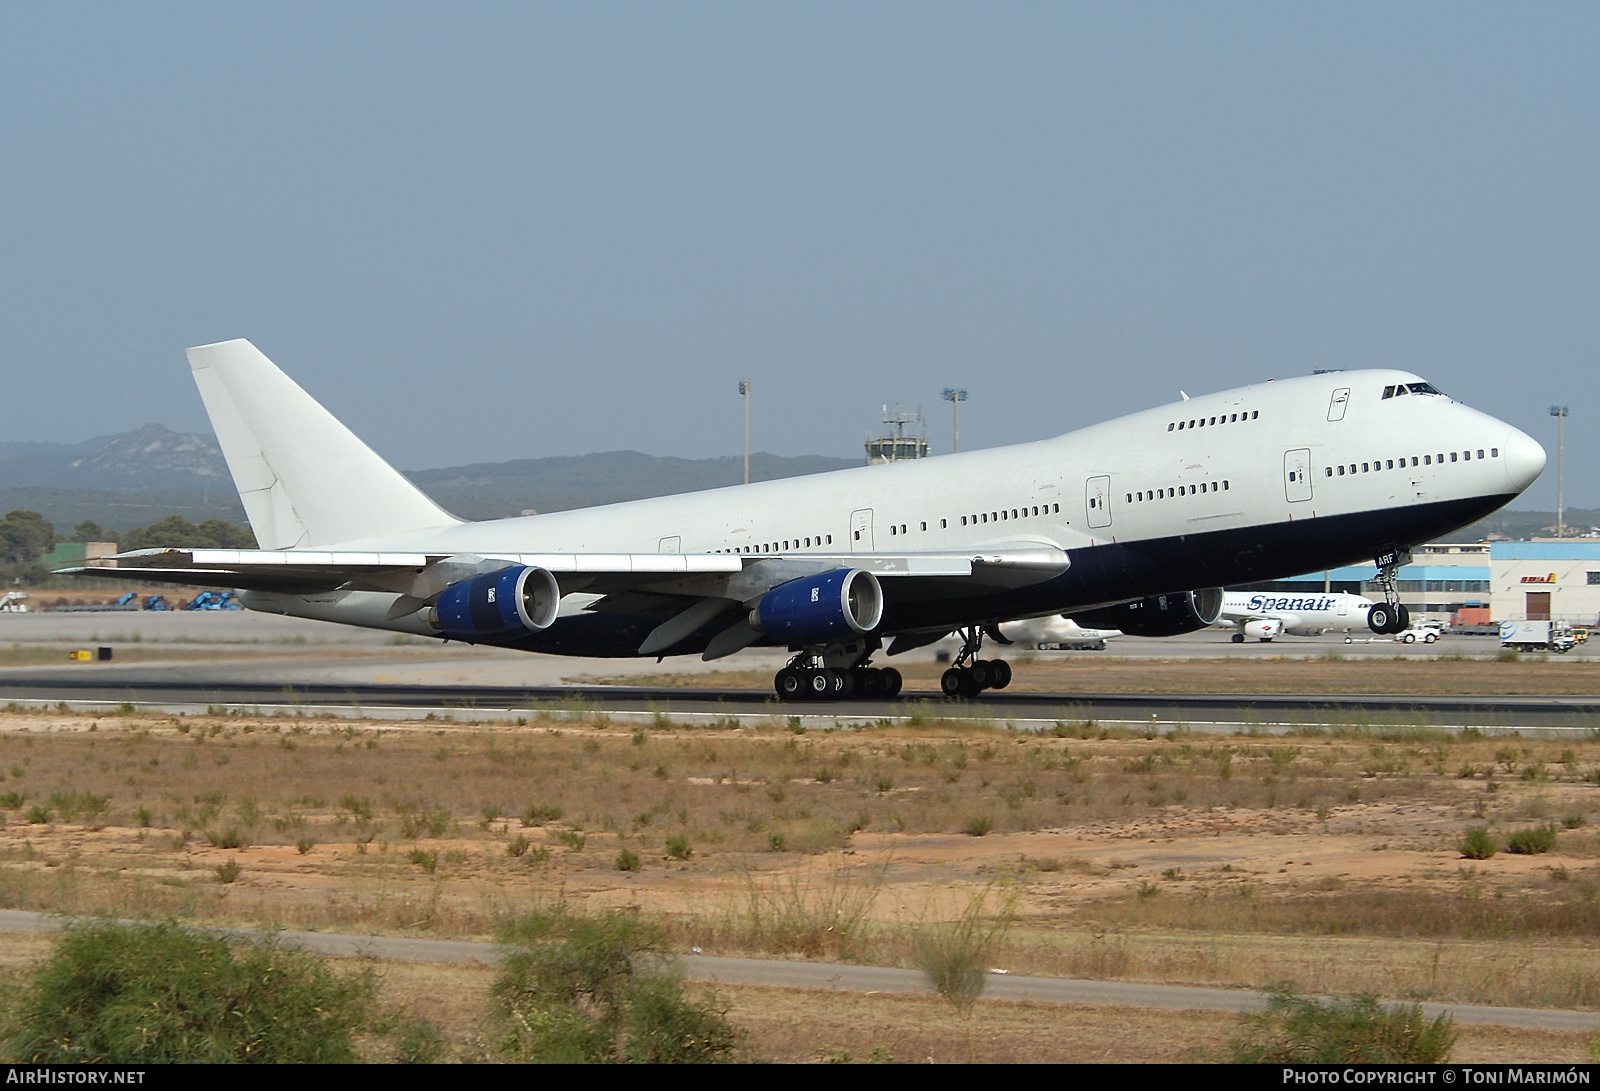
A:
(999, 673)
(1380, 619)
(841, 684)
(953, 682)
(818, 685)
(1238, 638)
(979, 676)
(869, 682)
(789, 684)
(1402, 618)
(891, 683)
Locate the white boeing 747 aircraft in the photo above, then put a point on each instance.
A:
(1266, 614)
(1134, 524)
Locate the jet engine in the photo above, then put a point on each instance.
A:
(1263, 628)
(1159, 615)
(509, 603)
(820, 609)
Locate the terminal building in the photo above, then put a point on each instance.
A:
(1474, 583)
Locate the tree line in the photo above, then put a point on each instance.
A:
(26, 536)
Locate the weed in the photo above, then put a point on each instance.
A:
(627, 861)
(582, 989)
(228, 872)
(1297, 1030)
(427, 860)
(1532, 841)
(978, 826)
(678, 847)
(572, 839)
(536, 814)
(517, 846)
(1477, 844)
(117, 993)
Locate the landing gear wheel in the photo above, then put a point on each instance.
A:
(1381, 619)
(789, 685)
(1238, 638)
(999, 673)
(818, 684)
(889, 683)
(1402, 619)
(953, 682)
(842, 684)
(869, 682)
(978, 675)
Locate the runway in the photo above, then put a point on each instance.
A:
(1269, 713)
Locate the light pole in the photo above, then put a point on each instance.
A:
(744, 392)
(955, 397)
(1559, 412)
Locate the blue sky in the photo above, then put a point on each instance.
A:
(482, 232)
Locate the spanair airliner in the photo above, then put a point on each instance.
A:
(1135, 524)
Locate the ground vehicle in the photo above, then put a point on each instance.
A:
(1423, 631)
(1552, 636)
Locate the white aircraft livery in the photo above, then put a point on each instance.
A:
(1266, 614)
(1135, 524)
(1056, 631)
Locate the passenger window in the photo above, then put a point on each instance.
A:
(1390, 464)
(1363, 467)
(1494, 452)
(1341, 471)
(1180, 426)
(1427, 460)
(1452, 456)
(1328, 470)
(1254, 414)
(1130, 498)
(924, 524)
(1224, 485)
(1169, 426)
(1480, 452)
(1413, 460)
(943, 524)
(830, 539)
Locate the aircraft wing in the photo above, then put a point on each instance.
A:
(424, 574)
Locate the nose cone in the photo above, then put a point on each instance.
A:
(1524, 459)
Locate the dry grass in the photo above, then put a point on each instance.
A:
(1184, 859)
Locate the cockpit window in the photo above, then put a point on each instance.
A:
(1411, 388)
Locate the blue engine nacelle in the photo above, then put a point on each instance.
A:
(1160, 615)
(512, 602)
(820, 609)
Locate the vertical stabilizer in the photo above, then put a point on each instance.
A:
(305, 479)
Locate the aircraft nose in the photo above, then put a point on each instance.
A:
(1525, 459)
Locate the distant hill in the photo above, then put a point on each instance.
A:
(149, 459)
(138, 477)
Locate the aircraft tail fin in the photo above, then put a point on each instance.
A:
(305, 479)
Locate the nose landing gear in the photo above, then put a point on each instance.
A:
(970, 676)
(1390, 615)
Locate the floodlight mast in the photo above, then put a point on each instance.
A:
(744, 392)
(1559, 412)
(955, 397)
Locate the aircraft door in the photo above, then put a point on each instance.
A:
(1297, 475)
(1336, 405)
(1097, 501)
(861, 531)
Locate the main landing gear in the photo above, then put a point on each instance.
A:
(834, 674)
(1389, 616)
(970, 676)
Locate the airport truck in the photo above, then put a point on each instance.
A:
(1546, 636)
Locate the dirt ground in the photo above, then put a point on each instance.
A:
(1329, 860)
